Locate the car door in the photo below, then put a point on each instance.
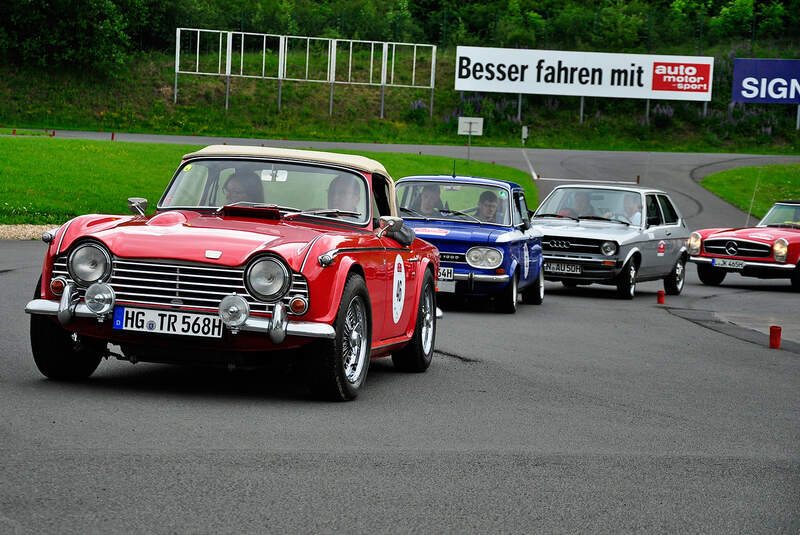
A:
(522, 248)
(673, 232)
(653, 256)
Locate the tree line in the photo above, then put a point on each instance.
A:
(101, 35)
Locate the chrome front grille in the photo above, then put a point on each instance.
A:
(575, 246)
(459, 258)
(744, 248)
(181, 284)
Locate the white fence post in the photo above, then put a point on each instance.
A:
(433, 75)
(228, 51)
(177, 62)
(332, 72)
(383, 74)
(281, 65)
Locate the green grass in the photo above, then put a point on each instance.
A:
(21, 132)
(50, 180)
(771, 183)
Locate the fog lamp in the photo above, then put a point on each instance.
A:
(298, 305)
(100, 298)
(57, 285)
(233, 310)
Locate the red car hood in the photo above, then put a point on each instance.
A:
(766, 235)
(187, 235)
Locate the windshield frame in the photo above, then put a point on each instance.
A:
(442, 183)
(360, 174)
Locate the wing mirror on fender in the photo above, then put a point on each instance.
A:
(395, 229)
(137, 205)
(390, 224)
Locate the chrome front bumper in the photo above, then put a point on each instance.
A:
(747, 263)
(277, 327)
(478, 277)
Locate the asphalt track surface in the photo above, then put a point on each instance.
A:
(585, 414)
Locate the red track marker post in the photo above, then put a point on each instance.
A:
(14, 133)
(774, 337)
(112, 136)
(660, 298)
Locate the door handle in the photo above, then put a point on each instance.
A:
(669, 233)
(414, 259)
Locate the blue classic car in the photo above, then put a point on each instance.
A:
(483, 231)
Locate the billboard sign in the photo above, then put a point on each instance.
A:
(591, 74)
(775, 81)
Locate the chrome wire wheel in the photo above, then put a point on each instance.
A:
(354, 342)
(428, 320)
(632, 279)
(680, 275)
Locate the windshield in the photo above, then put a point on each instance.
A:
(295, 187)
(614, 204)
(782, 215)
(453, 201)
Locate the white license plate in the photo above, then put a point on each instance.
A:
(726, 263)
(446, 286)
(167, 322)
(562, 267)
(445, 273)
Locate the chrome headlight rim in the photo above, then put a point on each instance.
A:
(483, 264)
(612, 248)
(695, 243)
(281, 292)
(783, 244)
(104, 276)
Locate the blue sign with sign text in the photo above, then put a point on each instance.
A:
(775, 81)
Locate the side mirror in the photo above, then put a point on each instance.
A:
(137, 205)
(391, 224)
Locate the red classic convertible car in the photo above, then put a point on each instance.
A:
(770, 250)
(250, 250)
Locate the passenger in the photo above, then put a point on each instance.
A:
(243, 187)
(344, 193)
(633, 208)
(430, 201)
(487, 207)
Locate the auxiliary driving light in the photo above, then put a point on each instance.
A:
(100, 298)
(233, 310)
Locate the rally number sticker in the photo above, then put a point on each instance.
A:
(398, 288)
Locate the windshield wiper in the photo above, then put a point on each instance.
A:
(249, 204)
(412, 211)
(459, 212)
(329, 212)
(557, 215)
(600, 218)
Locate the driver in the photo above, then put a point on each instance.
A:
(243, 187)
(430, 201)
(582, 205)
(344, 193)
(487, 206)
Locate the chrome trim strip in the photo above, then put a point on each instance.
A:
(747, 263)
(61, 240)
(478, 277)
(308, 252)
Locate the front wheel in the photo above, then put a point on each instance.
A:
(59, 354)
(534, 295)
(417, 355)
(710, 275)
(508, 297)
(673, 283)
(338, 366)
(796, 279)
(626, 283)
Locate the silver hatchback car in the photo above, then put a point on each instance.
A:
(617, 235)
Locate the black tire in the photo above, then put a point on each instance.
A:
(534, 295)
(417, 355)
(796, 279)
(710, 275)
(507, 299)
(673, 283)
(626, 280)
(332, 372)
(59, 354)
(569, 284)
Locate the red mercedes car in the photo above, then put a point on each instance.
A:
(250, 250)
(770, 250)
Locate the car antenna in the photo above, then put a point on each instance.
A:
(753, 198)
(454, 167)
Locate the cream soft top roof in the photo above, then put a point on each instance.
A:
(348, 160)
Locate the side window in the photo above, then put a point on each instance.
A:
(520, 213)
(380, 198)
(670, 214)
(653, 213)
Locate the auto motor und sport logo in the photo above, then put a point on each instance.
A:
(681, 77)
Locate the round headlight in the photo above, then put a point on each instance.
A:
(89, 263)
(233, 310)
(268, 279)
(100, 298)
(779, 249)
(484, 257)
(608, 248)
(695, 240)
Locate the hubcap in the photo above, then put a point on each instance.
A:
(514, 292)
(428, 320)
(541, 286)
(680, 273)
(632, 273)
(354, 348)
